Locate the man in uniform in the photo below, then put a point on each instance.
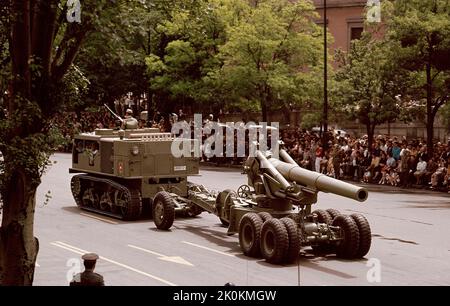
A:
(129, 122)
(88, 277)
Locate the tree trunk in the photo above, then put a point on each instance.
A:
(430, 115)
(21, 174)
(263, 102)
(18, 246)
(370, 132)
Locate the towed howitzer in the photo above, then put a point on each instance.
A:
(273, 217)
(272, 214)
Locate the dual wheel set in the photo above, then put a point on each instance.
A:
(354, 232)
(278, 241)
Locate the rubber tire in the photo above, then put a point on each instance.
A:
(250, 222)
(276, 231)
(365, 235)
(294, 240)
(218, 200)
(323, 216)
(168, 210)
(349, 246)
(333, 213)
(265, 216)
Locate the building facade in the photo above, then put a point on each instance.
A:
(345, 20)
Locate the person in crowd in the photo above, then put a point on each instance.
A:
(421, 170)
(447, 176)
(438, 176)
(396, 150)
(319, 156)
(403, 168)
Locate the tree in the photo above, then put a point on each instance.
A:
(421, 32)
(42, 48)
(4, 52)
(445, 113)
(113, 57)
(271, 46)
(368, 82)
(189, 39)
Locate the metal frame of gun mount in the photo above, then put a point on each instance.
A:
(272, 214)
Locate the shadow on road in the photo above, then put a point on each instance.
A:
(146, 218)
(219, 237)
(306, 259)
(429, 204)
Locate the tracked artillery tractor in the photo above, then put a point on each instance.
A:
(273, 217)
(124, 172)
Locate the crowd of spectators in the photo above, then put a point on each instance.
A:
(389, 161)
(70, 124)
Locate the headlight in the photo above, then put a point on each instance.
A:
(135, 150)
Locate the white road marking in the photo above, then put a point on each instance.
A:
(66, 248)
(37, 265)
(209, 249)
(175, 259)
(98, 218)
(81, 251)
(145, 250)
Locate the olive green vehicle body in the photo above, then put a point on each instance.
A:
(139, 160)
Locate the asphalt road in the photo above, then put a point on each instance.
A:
(411, 244)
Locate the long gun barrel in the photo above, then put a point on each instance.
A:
(319, 181)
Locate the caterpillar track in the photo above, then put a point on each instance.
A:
(106, 197)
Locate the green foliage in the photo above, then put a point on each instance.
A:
(113, 57)
(4, 52)
(420, 32)
(179, 68)
(310, 120)
(404, 76)
(234, 54)
(75, 86)
(29, 152)
(367, 84)
(272, 48)
(27, 137)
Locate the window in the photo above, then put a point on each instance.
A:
(355, 28)
(355, 33)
